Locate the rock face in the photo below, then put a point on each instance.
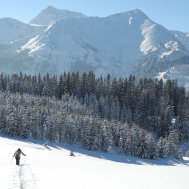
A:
(120, 44)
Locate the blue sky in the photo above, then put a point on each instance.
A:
(173, 14)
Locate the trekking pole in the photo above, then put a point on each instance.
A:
(11, 161)
(24, 159)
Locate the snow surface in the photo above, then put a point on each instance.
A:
(12, 30)
(50, 166)
(51, 14)
(183, 38)
(180, 72)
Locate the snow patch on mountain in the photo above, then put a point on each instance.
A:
(148, 29)
(179, 72)
(171, 47)
(33, 44)
(183, 38)
(158, 39)
(12, 30)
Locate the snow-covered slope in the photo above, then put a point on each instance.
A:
(51, 14)
(47, 167)
(12, 30)
(183, 37)
(180, 70)
(120, 44)
(96, 44)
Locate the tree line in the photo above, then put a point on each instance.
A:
(145, 118)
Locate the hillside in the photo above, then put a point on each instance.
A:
(13, 30)
(49, 166)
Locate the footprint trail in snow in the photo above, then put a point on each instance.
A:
(23, 178)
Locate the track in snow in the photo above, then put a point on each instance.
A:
(23, 178)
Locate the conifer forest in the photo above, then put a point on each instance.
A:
(146, 118)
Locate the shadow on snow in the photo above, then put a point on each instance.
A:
(111, 156)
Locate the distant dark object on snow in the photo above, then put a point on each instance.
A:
(47, 147)
(72, 154)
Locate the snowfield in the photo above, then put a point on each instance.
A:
(50, 166)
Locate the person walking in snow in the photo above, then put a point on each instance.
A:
(17, 155)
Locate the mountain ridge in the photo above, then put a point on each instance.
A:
(12, 30)
(50, 14)
(121, 44)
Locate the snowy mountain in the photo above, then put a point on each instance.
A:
(12, 30)
(183, 37)
(180, 70)
(120, 44)
(47, 166)
(51, 14)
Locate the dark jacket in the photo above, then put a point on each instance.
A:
(18, 153)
